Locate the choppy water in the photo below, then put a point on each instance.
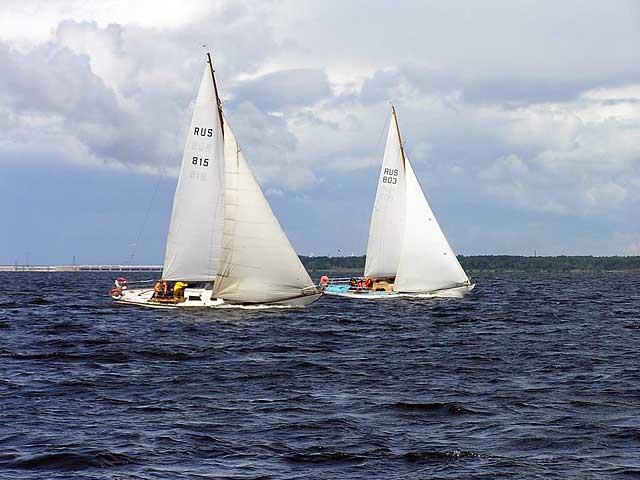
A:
(533, 376)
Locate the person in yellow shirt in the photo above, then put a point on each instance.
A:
(178, 290)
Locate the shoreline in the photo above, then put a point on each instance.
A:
(79, 268)
(355, 265)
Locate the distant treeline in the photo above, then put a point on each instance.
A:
(502, 263)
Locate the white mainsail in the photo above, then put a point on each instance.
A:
(258, 263)
(388, 218)
(427, 262)
(195, 233)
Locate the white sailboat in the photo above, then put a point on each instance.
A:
(225, 245)
(407, 252)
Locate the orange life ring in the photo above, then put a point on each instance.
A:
(324, 280)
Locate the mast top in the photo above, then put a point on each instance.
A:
(215, 90)
(395, 118)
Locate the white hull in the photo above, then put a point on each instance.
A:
(301, 301)
(457, 292)
(142, 298)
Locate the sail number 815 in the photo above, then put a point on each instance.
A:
(203, 162)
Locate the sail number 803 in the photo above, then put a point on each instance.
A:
(392, 177)
(203, 162)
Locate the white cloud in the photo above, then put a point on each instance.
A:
(506, 169)
(286, 89)
(587, 152)
(496, 102)
(28, 22)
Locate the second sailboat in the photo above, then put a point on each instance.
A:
(407, 252)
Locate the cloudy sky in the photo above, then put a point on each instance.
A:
(522, 119)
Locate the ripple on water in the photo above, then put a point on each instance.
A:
(532, 376)
(76, 460)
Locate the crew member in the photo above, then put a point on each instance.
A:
(178, 290)
(158, 289)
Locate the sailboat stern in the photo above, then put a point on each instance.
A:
(306, 296)
(455, 291)
(301, 301)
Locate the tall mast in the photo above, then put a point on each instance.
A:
(215, 89)
(395, 118)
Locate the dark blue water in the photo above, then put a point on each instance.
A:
(532, 376)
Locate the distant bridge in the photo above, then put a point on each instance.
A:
(80, 268)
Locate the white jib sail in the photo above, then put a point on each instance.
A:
(195, 234)
(427, 262)
(258, 263)
(388, 217)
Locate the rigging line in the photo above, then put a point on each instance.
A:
(383, 129)
(147, 214)
(141, 282)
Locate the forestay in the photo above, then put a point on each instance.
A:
(388, 218)
(427, 262)
(258, 263)
(195, 234)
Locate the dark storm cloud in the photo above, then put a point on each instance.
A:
(385, 84)
(286, 89)
(52, 80)
(125, 93)
(479, 87)
(60, 89)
